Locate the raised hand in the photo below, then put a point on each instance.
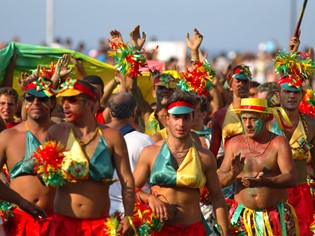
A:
(194, 43)
(25, 77)
(237, 164)
(202, 56)
(62, 65)
(115, 38)
(135, 38)
(294, 43)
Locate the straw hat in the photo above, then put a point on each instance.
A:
(254, 105)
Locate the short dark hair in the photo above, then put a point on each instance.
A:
(184, 96)
(122, 105)
(9, 91)
(253, 84)
(268, 87)
(204, 105)
(94, 80)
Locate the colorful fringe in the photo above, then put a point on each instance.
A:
(197, 79)
(6, 210)
(128, 60)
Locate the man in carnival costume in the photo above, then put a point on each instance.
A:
(226, 123)
(177, 169)
(260, 164)
(17, 145)
(92, 153)
(164, 85)
(294, 69)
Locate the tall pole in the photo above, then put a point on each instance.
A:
(292, 16)
(49, 22)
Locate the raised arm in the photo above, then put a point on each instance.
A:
(62, 70)
(135, 38)
(194, 44)
(294, 43)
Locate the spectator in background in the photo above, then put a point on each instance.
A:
(253, 89)
(122, 108)
(226, 123)
(270, 91)
(8, 106)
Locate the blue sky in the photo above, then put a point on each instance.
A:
(225, 24)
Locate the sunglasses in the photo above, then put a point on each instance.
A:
(71, 100)
(31, 98)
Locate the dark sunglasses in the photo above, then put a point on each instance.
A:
(71, 100)
(31, 98)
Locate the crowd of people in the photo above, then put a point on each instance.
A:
(222, 150)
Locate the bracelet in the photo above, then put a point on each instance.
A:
(192, 61)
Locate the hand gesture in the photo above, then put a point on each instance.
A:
(135, 38)
(202, 56)
(25, 77)
(252, 182)
(195, 41)
(294, 43)
(116, 38)
(35, 211)
(62, 69)
(237, 164)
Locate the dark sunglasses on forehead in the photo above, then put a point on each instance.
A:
(31, 98)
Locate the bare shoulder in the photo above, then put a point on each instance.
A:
(57, 129)
(205, 155)
(236, 141)
(156, 137)
(149, 153)
(109, 133)
(18, 129)
(153, 148)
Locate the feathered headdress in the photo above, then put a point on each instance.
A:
(294, 69)
(307, 105)
(128, 60)
(197, 79)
